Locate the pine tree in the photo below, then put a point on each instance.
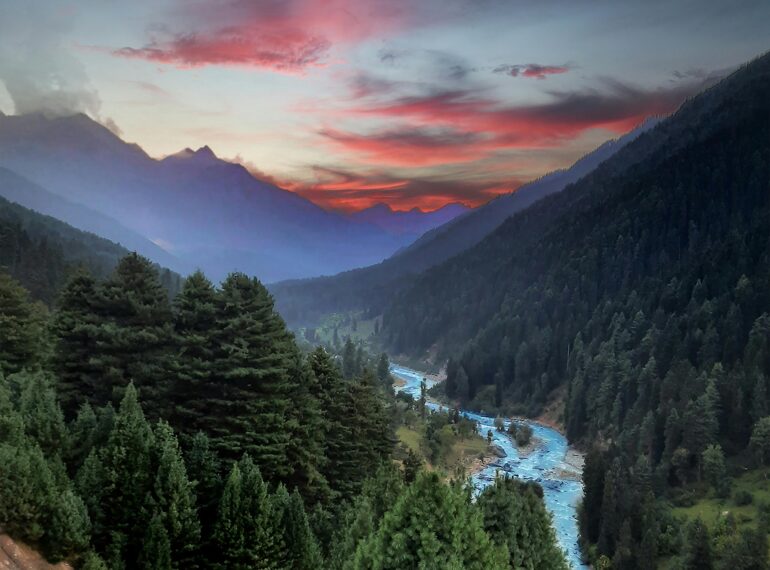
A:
(173, 500)
(412, 466)
(334, 396)
(75, 329)
(27, 491)
(92, 561)
(252, 381)
(43, 419)
(305, 425)
(203, 468)
(301, 550)
(156, 547)
(515, 516)
(89, 484)
(82, 437)
(357, 523)
(698, 554)
(431, 525)
(134, 335)
(22, 338)
(246, 533)
(194, 325)
(125, 475)
(349, 360)
(383, 369)
(372, 436)
(69, 530)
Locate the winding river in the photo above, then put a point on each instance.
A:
(545, 464)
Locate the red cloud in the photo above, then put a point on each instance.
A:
(532, 70)
(410, 147)
(286, 36)
(617, 107)
(287, 52)
(350, 191)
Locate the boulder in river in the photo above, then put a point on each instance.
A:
(498, 451)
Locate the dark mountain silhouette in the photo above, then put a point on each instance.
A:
(206, 211)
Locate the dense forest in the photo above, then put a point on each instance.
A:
(42, 252)
(142, 432)
(645, 290)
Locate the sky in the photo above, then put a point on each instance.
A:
(356, 102)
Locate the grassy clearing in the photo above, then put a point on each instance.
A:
(352, 325)
(755, 482)
(461, 454)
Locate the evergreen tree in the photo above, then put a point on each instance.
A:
(82, 437)
(22, 338)
(305, 425)
(357, 523)
(301, 550)
(203, 468)
(75, 328)
(156, 547)
(252, 378)
(334, 396)
(92, 561)
(194, 324)
(431, 525)
(698, 554)
(715, 470)
(349, 366)
(760, 441)
(134, 335)
(412, 466)
(514, 515)
(69, 530)
(125, 464)
(172, 499)
(246, 534)
(383, 369)
(43, 419)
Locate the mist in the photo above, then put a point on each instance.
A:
(37, 66)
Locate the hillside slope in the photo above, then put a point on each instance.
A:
(371, 288)
(17, 189)
(41, 252)
(642, 218)
(250, 225)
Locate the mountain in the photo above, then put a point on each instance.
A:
(25, 193)
(370, 288)
(413, 222)
(639, 299)
(205, 211)
(41, 252)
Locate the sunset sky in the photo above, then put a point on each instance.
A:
(351, 103)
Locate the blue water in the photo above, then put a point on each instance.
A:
(544, 465)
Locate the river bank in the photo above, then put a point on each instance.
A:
(550, 462)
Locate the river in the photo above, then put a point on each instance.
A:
(562, 489)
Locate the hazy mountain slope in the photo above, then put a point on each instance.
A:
(23, 192)
(209, 212)
(645, 256)
(40, 252)
(413, 222)
(370, 288)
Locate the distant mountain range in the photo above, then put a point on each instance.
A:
(197, 209)
(413, 222)
(306, 301)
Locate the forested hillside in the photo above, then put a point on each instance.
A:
(139, 432)
(41, 252)
(370, 289)
(645, 289)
